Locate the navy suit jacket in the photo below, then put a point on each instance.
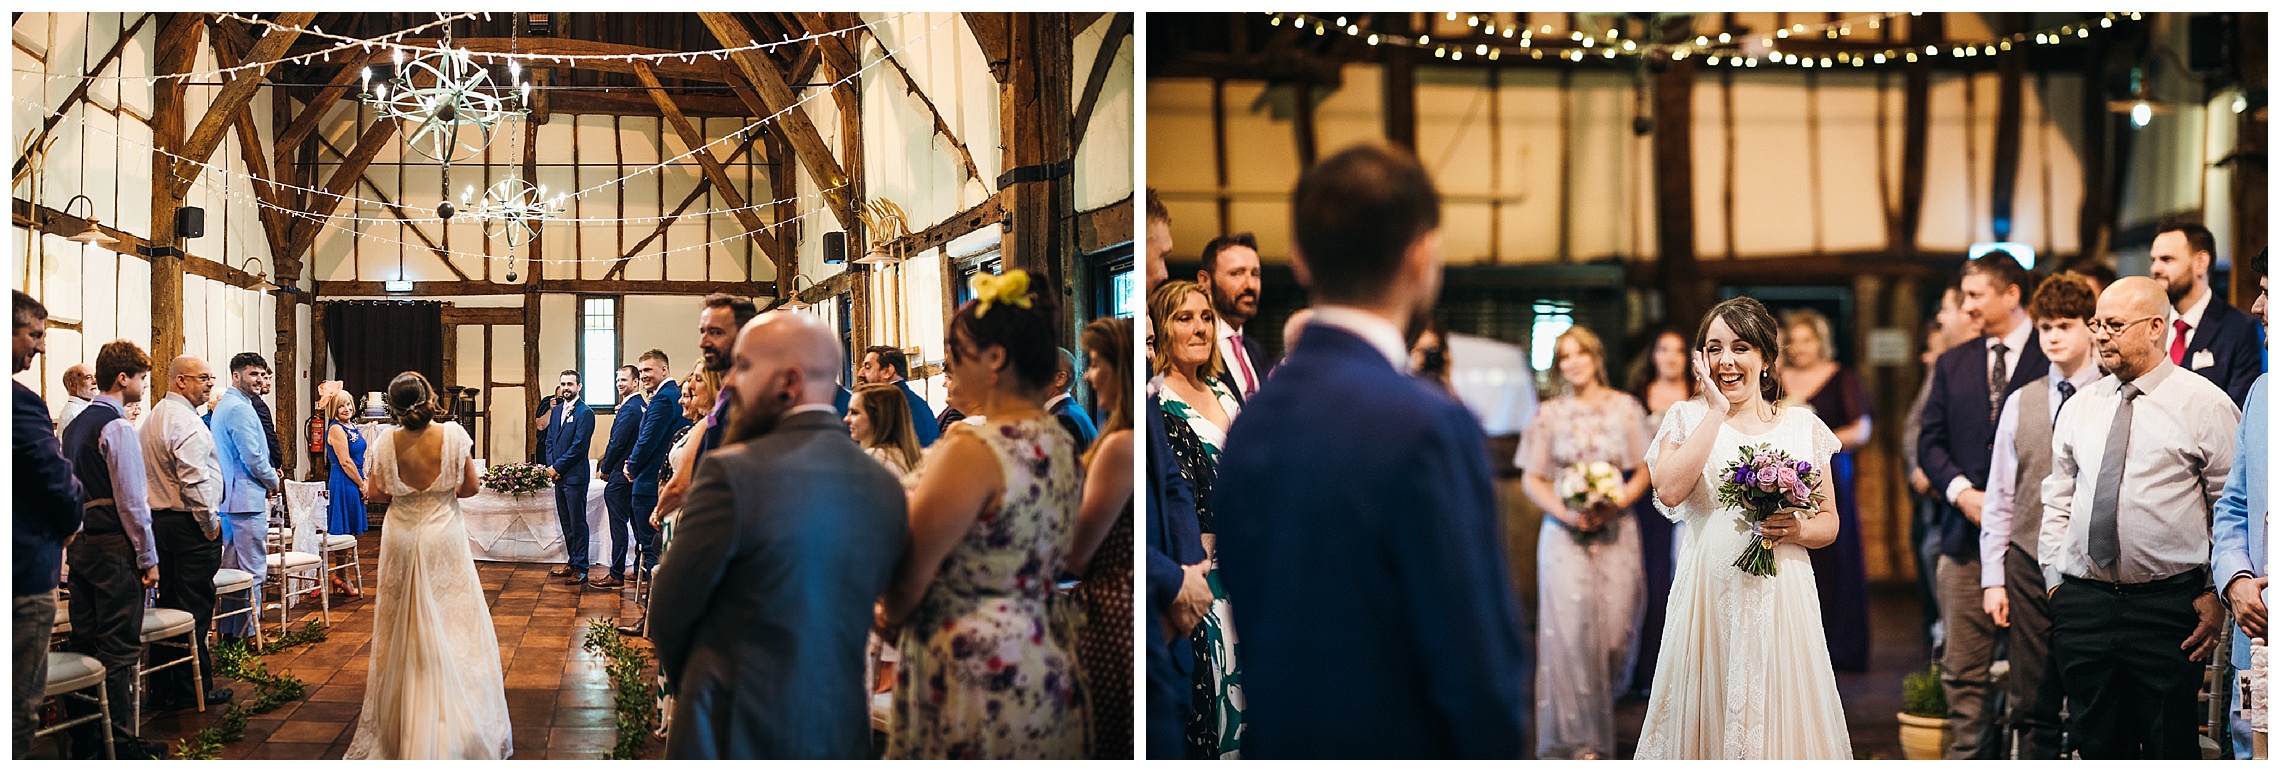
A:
(1365, 560)
(922, 419)
(569, 439)
(1174, 540)
(2231, 338)
(1958, 440)
(658, 422)
(45, 501)
(623, 433)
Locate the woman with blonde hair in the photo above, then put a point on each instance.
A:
(1198, 410)
(344, 480)
(879, 419)
(1589, 581)
(1812, 379)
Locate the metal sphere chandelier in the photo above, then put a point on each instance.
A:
(450, 102)
(514, 211)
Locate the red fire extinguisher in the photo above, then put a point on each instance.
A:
(316, 435)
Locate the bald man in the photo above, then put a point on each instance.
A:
(79, 391)
(2125, 540)
(763, 601)
(185, 476)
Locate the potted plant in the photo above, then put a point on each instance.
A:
(1924, 732)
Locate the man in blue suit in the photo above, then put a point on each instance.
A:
(569, 439)
(45, 512)
(1178, 592)
(1364, 559)
(248, 480)
(1956, 449)
(1065, 408)
(887, 364)
(659, 420)
(2206, 334)
(2237, 555)
(617, 485)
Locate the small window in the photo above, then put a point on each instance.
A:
(598, 346)
(1552, 318)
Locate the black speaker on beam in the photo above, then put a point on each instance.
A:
(834, 247)
(189, 222)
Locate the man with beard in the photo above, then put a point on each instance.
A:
(789, 536)
(717, 325)
(1402, 548)
(568, 440)
(1231, 274)
(2205, 334)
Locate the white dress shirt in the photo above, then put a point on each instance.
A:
(2181, 447)
(1242, 373)
(178, 453)
(72, 406)
(123, 458)
(2015, 343)
(2192, 316)
(2002, 487)
(1371, 328)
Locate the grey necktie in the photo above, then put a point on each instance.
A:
(2105, 536)
(1996, 380)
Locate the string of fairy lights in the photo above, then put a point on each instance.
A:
(346, 44)
(1723, 49)
(557, 197)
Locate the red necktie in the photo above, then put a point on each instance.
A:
(2177, 344)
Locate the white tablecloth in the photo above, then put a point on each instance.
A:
(523, 529)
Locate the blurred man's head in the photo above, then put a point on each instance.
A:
(2263, 286)
(1159, 240)
(1995, 291)
(2062, 309)
(1230, 274)
(1366, 228)
(654, 367)
(783, 359)
(628, 380)
(717, 325)
(2182, 251)
(883, 364)
(1064, 376)
(79, 381)
(29, 335)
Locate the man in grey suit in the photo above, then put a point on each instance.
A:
(790, 533)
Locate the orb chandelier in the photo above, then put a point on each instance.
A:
(514, 211)
(451, 104)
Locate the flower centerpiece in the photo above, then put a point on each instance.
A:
(1584, 486)
(517, 479)
(1762, 482)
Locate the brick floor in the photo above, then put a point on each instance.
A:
(558, 696)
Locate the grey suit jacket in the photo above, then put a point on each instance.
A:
(763, 602)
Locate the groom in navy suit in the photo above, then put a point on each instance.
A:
(1956, 448)
(1364, 559)
(569, 439)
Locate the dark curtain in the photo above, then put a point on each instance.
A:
(371, 342)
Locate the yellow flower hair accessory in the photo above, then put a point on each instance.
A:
(1010, 288)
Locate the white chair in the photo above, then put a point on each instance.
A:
(159, 627)
(296, 553)
(231, 580)
(73, 674)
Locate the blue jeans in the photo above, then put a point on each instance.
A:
(245, 549)
(570, 509)
(617, 497)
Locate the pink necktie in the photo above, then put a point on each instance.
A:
(2177, 344)
(1243, 362)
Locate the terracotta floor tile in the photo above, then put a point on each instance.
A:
(275, 750)
(319, 732)
(581, 738)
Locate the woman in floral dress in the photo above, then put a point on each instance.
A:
(1198, 408)
(1589, 582)
(988, 665)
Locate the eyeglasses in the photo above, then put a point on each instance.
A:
(2103, 327)
(205, 378)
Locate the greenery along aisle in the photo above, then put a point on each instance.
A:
(240, 660)
(629, 676)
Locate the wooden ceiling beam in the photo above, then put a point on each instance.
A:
(703, 184)
(232, 100)
(346, 289)
(624, 102)
(23, 162)
(1118, 30)
(754, 228)
(792, 120)
(351, 170)
(993, 32)
(272, 213)
(321, 103)
(669, 64)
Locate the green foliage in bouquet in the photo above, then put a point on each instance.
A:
(517, 479)
(1922, 695)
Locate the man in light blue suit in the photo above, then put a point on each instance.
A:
(2238, 553)
(1364, 559)
(248, 480)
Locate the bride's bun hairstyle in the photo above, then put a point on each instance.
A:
(411, 401)
(1006, 314)
(1755, 326)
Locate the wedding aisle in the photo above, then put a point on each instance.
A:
(558, 696)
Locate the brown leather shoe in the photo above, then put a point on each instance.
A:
(608, 583)
(575, 579)
(560, 571)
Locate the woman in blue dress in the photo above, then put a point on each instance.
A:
(346, 480)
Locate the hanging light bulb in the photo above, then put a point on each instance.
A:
(2141, 114)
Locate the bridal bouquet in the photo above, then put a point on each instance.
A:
(1584, 486)
(1763, 481)
(517, 479)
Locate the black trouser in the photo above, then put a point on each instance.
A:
(1923, 540)
(106, 623)
(2033, 686)
(2132, 688)
(187, 561)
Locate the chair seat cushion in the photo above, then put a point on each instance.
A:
(161, 623)
(69, 672)
(339, 541)
(231, 580)
(293, 560)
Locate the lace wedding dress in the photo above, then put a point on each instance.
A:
(1744, 670)
(434, 691)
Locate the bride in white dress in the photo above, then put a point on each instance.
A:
(434, 691)
(1744, 669)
